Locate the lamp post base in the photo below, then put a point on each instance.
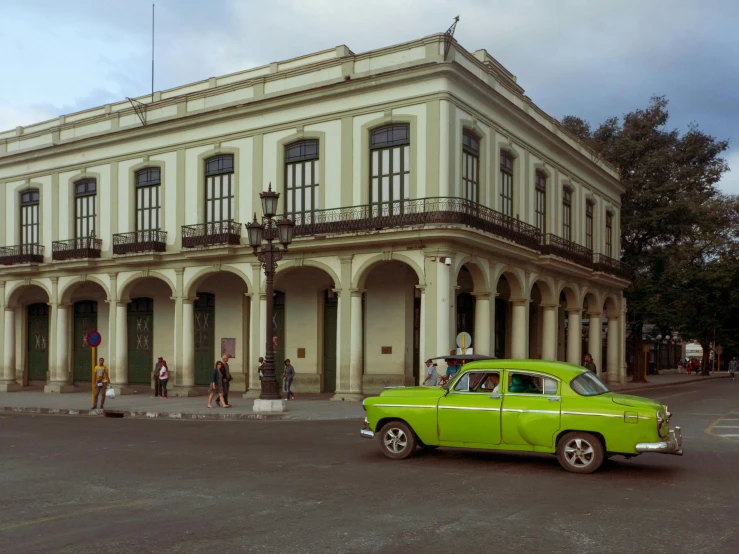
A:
(270, 406)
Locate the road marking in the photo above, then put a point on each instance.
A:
(726, 426)
(671, 395)
(727, 435)
(133, 504)
(716, 425)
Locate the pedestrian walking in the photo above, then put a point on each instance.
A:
(696, 366)
(733, 365)
(102, 382)
(216, 385)
(227, 379)
(155, 376)
(590, 364)
(288, 376)
(432, 375)
(164, 378)
(261, 368)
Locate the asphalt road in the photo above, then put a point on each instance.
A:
(79, 485)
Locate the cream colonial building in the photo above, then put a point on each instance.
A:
(430, 196)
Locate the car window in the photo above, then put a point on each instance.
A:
(587, 384)
(524, 383)
(477, 381)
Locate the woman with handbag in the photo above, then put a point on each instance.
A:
(216, 385)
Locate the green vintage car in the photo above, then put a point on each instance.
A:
(521, 405)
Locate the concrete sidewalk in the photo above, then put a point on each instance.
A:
(308, 407)
(315, 407)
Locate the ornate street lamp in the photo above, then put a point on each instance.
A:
(261, 238)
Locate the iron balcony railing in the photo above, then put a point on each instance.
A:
(88, 247)
(566, 249)
(22, 254)
(408, 213)
(139, 242)
(606, 264)
(211, 234)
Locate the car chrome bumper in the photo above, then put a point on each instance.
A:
(366, 432)
(673, 445)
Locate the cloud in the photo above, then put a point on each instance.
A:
(593, 59)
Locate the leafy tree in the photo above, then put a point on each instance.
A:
(670, 178)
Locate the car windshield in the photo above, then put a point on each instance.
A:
(588, 384)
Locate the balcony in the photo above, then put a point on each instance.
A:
(211, 234)
(139, 242)
(22, 254)
(76, 249)
(611, 266)
(423, 211)
(568, 250)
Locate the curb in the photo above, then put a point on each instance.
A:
(690, 381)
(146, 414)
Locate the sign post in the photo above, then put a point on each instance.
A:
(719, 351)
(646, 352)
(93, 339)
(464, 340)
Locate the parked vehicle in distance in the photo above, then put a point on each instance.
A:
(522, 405)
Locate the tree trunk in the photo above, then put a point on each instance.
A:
(705, 362)
(637, 344)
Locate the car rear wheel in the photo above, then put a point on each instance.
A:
(397, 440)
(580, 452)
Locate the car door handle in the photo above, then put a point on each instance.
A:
(496, 395)
(554, 399)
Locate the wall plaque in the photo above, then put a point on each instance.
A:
(301, 352)
(228, 348)
(387, 349)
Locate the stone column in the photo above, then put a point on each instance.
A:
(255, 349)
(519, 329)
(622, 343)
(549, 332)
(8, 382)
(343, 332)
(443, 310)
(60, 372)
(423, 356)
(574, 336)
(595, 342)
(188, 345)
(357, 348)
(481, 340)
(120, 375)
(612, 348)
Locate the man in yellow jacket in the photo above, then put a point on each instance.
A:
(101, 380)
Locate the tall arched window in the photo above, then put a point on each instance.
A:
(470, 166)
(30, 217)
(219, 189)
(85, 192)
(540, 204)
(589, 225)
(506, 184)
(301, 181)
(609, 234)
(390, 169)
(148, 199)
(567, 214)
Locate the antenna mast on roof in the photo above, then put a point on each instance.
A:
(139, 107)
(152, 52)
(449, 37)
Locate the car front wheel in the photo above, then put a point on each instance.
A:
(397, 440)
(580, 452)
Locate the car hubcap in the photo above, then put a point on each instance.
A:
(395, 441)
(579, 453)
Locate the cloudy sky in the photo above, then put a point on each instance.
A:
(592, 58)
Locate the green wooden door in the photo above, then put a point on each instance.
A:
(329, 343)
(38, 342)
(278, 327)
(140, 340)
(85, 320)
(205, 312)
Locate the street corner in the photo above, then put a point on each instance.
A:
(725, 427)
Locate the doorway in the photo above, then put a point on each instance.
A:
(38, 341)
(205, 312)
(140, 340)
(85, 320)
